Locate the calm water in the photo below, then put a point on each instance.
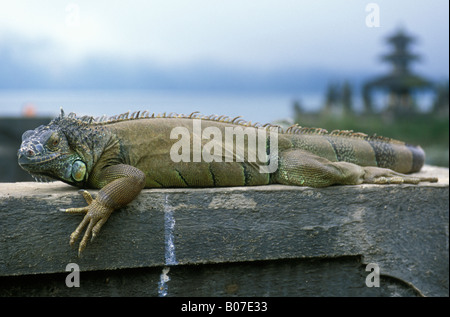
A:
(253, 107)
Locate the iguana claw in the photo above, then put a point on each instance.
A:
(95, 217)
(376, 175)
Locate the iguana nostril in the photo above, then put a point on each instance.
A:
(27, 153)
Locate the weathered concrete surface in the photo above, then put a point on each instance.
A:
(343, 276)
(402, 228)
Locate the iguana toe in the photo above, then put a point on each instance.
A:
(95, 217)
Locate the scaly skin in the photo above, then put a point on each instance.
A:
(124, 154)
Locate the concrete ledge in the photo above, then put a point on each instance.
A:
(402, 228)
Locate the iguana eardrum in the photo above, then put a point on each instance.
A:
(121, 155)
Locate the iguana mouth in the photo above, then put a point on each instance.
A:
(34, 165)
(31, 159)
(25, 159)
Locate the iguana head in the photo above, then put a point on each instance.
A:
(47, 153)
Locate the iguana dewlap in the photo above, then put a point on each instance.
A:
(122, 155)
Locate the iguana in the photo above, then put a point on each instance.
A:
(123, 154)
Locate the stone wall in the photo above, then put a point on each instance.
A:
(244, 241)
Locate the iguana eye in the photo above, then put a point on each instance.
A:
(53, 141)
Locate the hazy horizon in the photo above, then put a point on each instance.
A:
(286, 47)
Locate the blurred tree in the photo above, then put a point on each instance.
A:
(441, 101)
(367, 101)
(331, 98)
(298, 109)
(347, 98)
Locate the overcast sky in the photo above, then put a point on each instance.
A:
(262, 34)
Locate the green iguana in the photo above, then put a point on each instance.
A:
(121, 155)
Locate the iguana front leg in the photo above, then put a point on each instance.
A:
(122, 185)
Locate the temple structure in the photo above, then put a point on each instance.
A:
(400, 82)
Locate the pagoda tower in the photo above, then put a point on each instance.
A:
(400, 82)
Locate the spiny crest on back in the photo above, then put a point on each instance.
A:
(137, 115)
(297, 129)
(293, 129)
